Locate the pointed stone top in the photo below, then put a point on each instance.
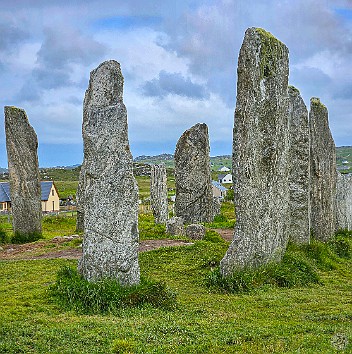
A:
(105, 85)
(293, 90)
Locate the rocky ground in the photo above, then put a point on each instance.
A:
(70, 247)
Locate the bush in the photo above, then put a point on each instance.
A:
(73, 292)
(20, 237)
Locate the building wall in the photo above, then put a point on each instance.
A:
(53, 202)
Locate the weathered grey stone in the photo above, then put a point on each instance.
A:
(174, 226)
(344, 201)
(195, 231)
(299, 169)
(194, 194)
(260, 153)
(216, 206)
(158, 193)
(110, 192)
(22, 145)
(80, 202)
(323, 172)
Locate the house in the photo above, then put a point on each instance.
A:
(224, 169)
(219, 191)
(225, 178)
(50, 197)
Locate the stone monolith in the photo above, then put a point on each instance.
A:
(194, 193)
(299, 169)
(260, 153)
(158, 193)
(344, 201)
(22, 145)
(323, 172)
(110, 192)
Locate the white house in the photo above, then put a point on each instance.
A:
(225, 178)
(224, 169)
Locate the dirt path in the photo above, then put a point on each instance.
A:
(63, 247)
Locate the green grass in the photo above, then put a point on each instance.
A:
(66, 188)
(287, 320)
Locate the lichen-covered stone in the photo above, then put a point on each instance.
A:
(174, 226)
(110, 192)
(80, 202)
(194, 194)
(260, 153)
(323, 172)
(22, 145)
(195, 231)
(158, 193)
(299, 169)
(344, 201)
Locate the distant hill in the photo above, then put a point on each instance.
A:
(344, 159)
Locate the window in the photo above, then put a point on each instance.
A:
(52, 192)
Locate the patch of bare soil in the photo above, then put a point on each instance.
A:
(56, 248)
(59, 247)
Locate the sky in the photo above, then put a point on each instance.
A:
(178, 59)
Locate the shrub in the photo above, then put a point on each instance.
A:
(73, 292)
(122, 346)
(20, 237)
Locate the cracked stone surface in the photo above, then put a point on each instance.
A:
(158, 193)
(299, 169)
(323, 172)
(22, 145)
(194, 193)
(260, 153)
(109, 189)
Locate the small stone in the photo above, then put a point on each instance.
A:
(174, 226)
(195, 231)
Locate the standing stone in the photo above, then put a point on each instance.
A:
(195, 231)
(79, 201)
(194, 193)
(344, 201)
(22, 145)
(260, 153)
(323, 172)
(299, 169)
(110, 192)
(158, 193)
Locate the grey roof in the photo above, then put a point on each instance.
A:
(219, 186)
(5, 190)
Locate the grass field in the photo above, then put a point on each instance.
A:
(299, 320)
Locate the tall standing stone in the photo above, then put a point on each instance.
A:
(344, 201)
(110, 192)
(158, 193)
(323, 172)
(79, 200)
(260, 153)
(22, 145)
(194, 193)
(299, 169)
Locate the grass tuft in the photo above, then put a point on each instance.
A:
(297, 268)
(20, 237)
(73, 292)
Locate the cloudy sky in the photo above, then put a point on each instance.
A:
(178, 58)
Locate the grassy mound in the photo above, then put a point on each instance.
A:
(73, 292)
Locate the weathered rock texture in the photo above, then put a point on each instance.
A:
(260, 153)
(195, 231)
(344, 201)
(22, 145)
(299, 169)
(174, 226)
(158, 193)
(194, 194)
(110, 192)
(323, 172)
(79, 200)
